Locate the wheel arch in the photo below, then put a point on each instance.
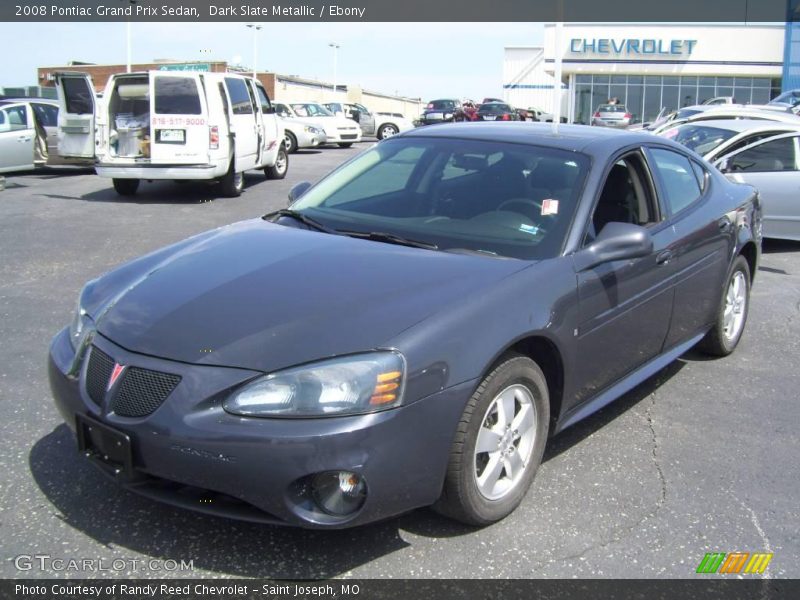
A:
(542, 350)
(750, 253)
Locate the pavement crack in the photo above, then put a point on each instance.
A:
(761, 533)
(662, 498)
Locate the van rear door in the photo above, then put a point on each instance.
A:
(244, 123)
(178, 119)
(76, 115)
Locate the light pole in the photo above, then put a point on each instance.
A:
(335, 47)
(256, 28)
(128, 36)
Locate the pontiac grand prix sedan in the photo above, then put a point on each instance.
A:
(412, 329)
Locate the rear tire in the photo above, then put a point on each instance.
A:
(724, 336)
(345, 144)
(498, 444)
(125, 187)
(281, 166)
(232, 184)
(387, 131)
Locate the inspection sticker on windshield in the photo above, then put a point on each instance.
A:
(549, 207)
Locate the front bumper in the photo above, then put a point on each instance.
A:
(191, 453)
(310, 140)
(347, 136)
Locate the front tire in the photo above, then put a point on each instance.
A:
(125, 187)
(345, 144)
(281, 166)
(724, 336)
(387, 131)
(498, 444)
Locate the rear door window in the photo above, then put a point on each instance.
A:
(263, 99)
(177, 96)
(776, 155)
(240, 98)
(678, 179)
(78, 95)
(46, 113)
(13, 118)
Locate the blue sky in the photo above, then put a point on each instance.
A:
(415, 59)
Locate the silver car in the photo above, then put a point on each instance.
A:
(612, 115)
(297, 132)
(29, 134)
(772, 166)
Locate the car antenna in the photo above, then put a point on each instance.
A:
(557, 74)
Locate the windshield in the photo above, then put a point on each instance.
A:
(685, 113)
(495, 108)
(509, 200)
(311, 110)
(791, 97)
(615, 108)
(700, 138)
(442, 104)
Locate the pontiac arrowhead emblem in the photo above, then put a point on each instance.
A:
(115, 374)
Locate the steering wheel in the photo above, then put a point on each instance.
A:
(526, 201)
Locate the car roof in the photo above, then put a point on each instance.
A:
(740, 125)
(577, 138)
(9, 100)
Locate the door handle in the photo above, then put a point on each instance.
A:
(664, 257)
(24, 138)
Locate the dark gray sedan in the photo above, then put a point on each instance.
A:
(412, 330)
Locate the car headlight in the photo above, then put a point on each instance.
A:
(448, 115)
(349, 385)
(312, 130)
(80, 328)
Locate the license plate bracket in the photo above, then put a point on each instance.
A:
(107, 447)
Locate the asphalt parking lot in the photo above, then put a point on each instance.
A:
(701, 458)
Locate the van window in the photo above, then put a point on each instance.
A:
(78, 96)
(240, 98)
(176, 96)
(263, 99)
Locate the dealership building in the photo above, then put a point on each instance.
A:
(647, 67)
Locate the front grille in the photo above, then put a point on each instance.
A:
(142, 391)
(349, 136)
(98, 372)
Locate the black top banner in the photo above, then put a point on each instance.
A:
(638, 11)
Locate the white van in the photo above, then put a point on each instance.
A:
(171, 125)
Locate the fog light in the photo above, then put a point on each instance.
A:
(338, 493)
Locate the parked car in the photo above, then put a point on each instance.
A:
(440, 111)
(727, 112)
(412, 329)
(716, 138)
(381, 125)
(522, 114)
(171, 125)
(789, 99)
(612, 115)
(299, 133)
(496, 111)
(29, 135)
(468, 112)
(540, 115)
(772, 166)
(338, 129)
(720, 100)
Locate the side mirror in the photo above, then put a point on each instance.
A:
(616, 241)
(298, 190)
(724, 165)
(269, 111)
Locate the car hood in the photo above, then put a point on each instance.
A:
(330, 121)
(262, 296)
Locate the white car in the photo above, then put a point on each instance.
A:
(338, 129)
(299, 133)
(381, 125)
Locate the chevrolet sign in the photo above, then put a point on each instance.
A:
(631, 46)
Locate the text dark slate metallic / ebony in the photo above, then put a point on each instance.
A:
(413, 330)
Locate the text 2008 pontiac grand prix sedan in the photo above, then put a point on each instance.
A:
(412, 329)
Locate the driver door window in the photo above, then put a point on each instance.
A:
(627, 197)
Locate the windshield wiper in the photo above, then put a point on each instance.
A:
(302, 218)
(389, 238)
